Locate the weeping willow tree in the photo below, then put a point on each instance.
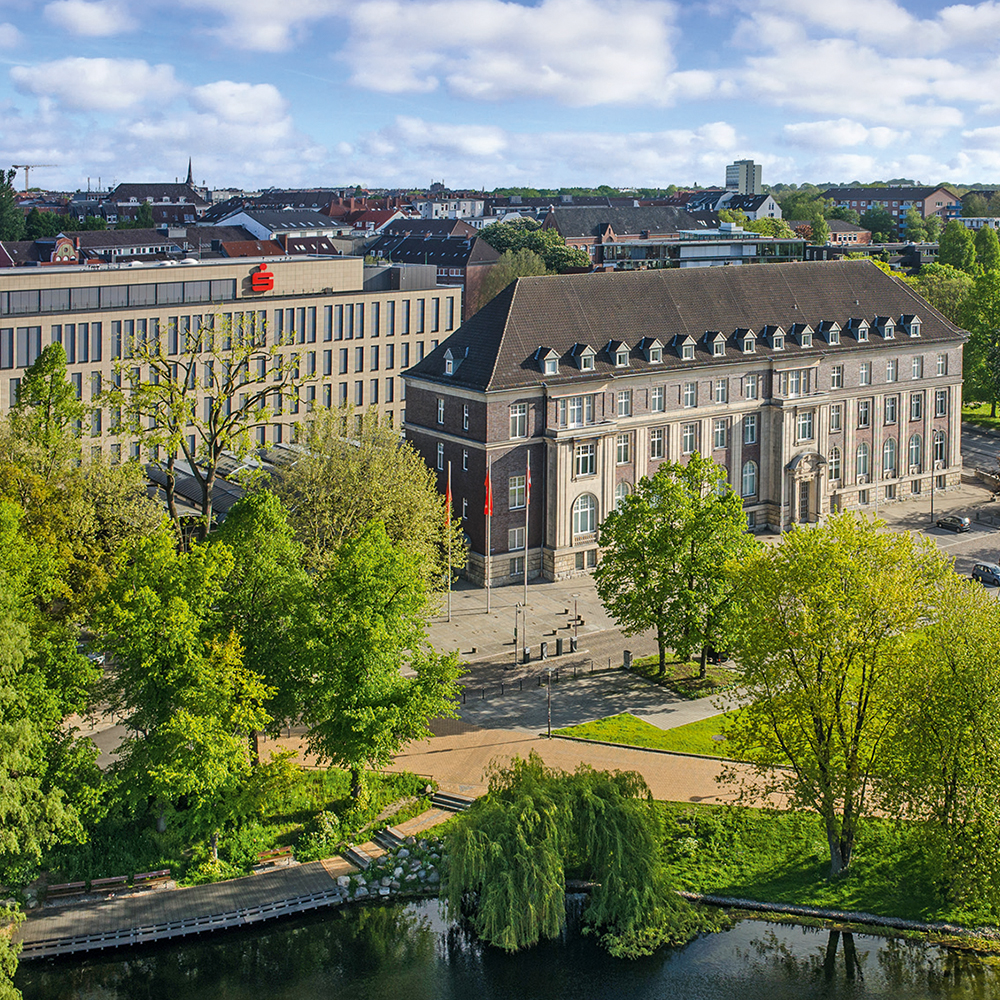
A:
(510, 853)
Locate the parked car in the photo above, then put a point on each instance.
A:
(954, 522)
(987, 573)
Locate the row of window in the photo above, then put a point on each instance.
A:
(890, 450)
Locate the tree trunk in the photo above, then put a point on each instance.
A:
(161, 820)
(830, 961)
(851, 958)
(357, 784)
(256, 748)
(703, 664)
(215, 846)
(661, 643)
(206, 505)
(170, 491)
(993, 409)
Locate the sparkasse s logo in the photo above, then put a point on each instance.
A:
(261, 280)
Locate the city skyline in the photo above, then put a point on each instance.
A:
(487, 93)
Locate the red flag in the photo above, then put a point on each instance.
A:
(488, 509)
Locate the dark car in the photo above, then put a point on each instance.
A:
(987, 573)
(954, 522)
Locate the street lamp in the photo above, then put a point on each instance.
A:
(576, 618)
(517, 609)
(935, 465)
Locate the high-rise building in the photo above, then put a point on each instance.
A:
(743, 177)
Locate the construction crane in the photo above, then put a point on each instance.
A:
(28, 167)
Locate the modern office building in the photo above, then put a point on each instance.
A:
(744, 177)
(353, 328)
(817, 386)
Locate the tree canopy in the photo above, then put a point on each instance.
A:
(513, 264)
(528, 234)
(11, 217)
(957, 246)
(880, 223)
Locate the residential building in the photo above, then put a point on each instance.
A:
(176, 204)
(353, 328)
(817, 386)
(274, 224)
(744, 177)
(841, 233)
(897, 201)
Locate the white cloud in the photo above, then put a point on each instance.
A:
(243, 103)
(10, 37)
(90, 17)
(833, 134)
(266, 25)
(98, 84)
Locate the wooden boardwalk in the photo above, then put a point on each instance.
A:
(89, 924)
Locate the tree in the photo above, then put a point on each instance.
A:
(663, 549)
(932, 226)
(945, 287)
(981, 359)
(804, 203)
(368, 622)
(775, 228)
(143, 218)
(880, 223)
(509, 853)
(915, 230)
(845, 215)
(820, 231)
(527, 234)
(356, 469)
(203, 396)
(974, 206)
(988, 249)
(825, 640)
(11, 216)
(513, 264)
(957, 247)
(40, 224)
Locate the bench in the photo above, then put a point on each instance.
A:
(274, 856)
(108, 884)
(66, 889)
(149, 879)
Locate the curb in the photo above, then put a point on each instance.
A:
(629, 746)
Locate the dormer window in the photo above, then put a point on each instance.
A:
(831, 331)
(716, 343)
(584, 355)
(449, 366)
(718, 350)
(687, 352)
(778, 342)
(621, 359)
(547, 360)
(451, 361)
(803, 333)
(551, 366)
(747, 341)
(587, 362)
(775, 337)
(911, 324)
(655, 355)
(652, 348)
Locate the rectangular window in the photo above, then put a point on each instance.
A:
(719, 433)
(942, 364)
(941, 403)
(656, 443)
(689, 438)
(624, 400)
(517, 566)
(864, 413)
(586, 459)
(835, 417)
(865, 375)
(751, 385)
(519, 420)
(359, 359)
(657, 399)
(343, 361)
(373, 358)
(389, 390)
(837, 377)
(892, 370)
(440, 410)
(515, 493)
(918, 366)
(721, 390)
(805, 426)
(623, 449)
(750, 428)
(465, 417)
(440, 456)
(690, 394)
(515, 539)
(465, 459)
(891, 409)
(916, 405)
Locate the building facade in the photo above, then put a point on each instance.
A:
(744, 177)
(354, 329)
(818, 387)
(897, 201)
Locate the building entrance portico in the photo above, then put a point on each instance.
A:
(805, 487)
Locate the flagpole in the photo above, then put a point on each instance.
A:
(489, 517)
(449, 540)
(527, 523)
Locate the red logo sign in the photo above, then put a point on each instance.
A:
(261, 280)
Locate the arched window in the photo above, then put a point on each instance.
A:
(889, 457)
(749, 479)
(939, 447)
(916, 450)
(835, 464)
(622, 490)
(862, 460)
(585, 515)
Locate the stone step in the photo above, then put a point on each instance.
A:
(451, 801)
(389, 838)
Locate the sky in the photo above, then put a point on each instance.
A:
(490, 93)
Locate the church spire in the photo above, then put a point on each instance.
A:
(190, 178)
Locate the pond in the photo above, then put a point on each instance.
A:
(410, 952)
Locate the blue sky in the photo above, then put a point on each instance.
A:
(497, 92)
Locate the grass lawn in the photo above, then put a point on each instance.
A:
(980, 416)
(695, 737)
(682, 676)
(784, 858)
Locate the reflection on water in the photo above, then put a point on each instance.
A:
(411, 953)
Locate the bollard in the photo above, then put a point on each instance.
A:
(484, 695)
(572, 643)
(545, 651)
(463, 696)
(627, 659)
(527, 654)
(559, 646)
(501, 687)
(520, 684)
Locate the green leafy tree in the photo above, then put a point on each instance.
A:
(845, 215)
(663, 549)
(981, 358)
(915, 229)
(513, 264)
(356, 469)
(820, 231)
(804, 203)
(880, 223)
(974, 206)
(945, 287)
(527, 234)
(11, 217)
(933, 227)
(368, 622)
(509, 853)
(988, 249)
(825, 642)
(143, 218)
(40, 224)
(957, 247)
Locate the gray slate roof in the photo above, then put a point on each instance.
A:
(884, 194)
(497, 345)
(442, 251)
(575, 221)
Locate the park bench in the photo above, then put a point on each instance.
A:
(66, 889)
(108, 884)
(274, 856)
(148, 880)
